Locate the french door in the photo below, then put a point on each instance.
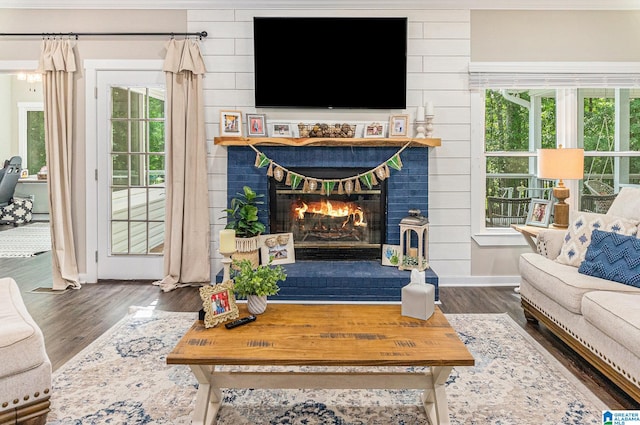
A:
(130, 174)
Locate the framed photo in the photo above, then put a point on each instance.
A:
(399, 125)
(231, 123)
(219, 303)
(256, 125)
(277, 248)
(374, 130)
(539, 212)
(281, 130)
(390, 255)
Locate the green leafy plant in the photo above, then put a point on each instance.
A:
(242, 216)
(263, 280)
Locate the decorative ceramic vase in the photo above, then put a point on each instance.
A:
(256, 304)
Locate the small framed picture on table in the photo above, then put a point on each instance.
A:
(256, 125)
(399, 126)
(277, 249)
(539, 213)
(231, 123)
(219, 303)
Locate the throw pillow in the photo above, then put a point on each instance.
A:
(626, 204)
(614, 257)
(578, 236)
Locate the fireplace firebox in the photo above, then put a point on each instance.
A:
(334, 226)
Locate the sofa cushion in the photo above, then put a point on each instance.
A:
(578, 236)
(21, 340)
(563, 283)
(614, 257)
(626, 204)
(615, 314)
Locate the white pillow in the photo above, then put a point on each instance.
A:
(626, 204)
(578, 236)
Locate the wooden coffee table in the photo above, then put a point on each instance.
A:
(324, 335)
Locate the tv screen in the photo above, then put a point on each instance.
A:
(330, 62)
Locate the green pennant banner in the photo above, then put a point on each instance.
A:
(295, 180)
(367, 179)
(395, 162)
(328, 186)
(263, 161)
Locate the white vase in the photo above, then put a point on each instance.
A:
(256, 304)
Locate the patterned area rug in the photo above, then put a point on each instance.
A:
(122, 378)
(25, 241)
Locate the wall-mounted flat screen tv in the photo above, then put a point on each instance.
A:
(330, 62)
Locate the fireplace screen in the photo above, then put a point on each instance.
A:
(334, 226)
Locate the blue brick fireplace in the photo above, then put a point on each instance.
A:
(337, 280)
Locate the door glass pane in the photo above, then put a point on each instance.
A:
(119, 170)
(138, 237)
(119, 204)
(119, 136)
(119, 237)
(135, 170)
(119, 102)
(138, 202)
(156, 203)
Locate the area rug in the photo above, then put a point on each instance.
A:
(122, 378)
(25, 241)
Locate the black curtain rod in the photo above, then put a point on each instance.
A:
(201, 34)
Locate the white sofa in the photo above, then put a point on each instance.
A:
(25, 369)
(598, 318)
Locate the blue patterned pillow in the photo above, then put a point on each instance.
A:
(578, 236)
(614, 257)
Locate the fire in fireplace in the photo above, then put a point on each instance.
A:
(334, 226)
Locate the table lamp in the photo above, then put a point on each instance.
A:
(561, 164)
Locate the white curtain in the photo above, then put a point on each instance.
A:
(187, 232)
(58, 64)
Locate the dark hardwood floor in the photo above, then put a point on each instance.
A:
(73, 319)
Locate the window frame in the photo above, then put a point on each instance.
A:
(566, 79)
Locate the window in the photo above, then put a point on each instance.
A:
(31, 136)
(517, 122)
(512, 123)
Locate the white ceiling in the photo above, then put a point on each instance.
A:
(326, 4)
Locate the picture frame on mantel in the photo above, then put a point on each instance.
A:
(375, 130)
(231, 123)
(280, 129)
(256, 125)
(399, 125)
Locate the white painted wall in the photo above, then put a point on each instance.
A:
(438, 57)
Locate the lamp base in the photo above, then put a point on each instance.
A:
(561, 208)
(561, 215)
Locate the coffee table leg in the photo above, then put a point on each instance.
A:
(434, 397)
(208, 398)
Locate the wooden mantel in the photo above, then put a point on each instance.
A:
(321, 141)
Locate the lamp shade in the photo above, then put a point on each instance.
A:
(561, 163)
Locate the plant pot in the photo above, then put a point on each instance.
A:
(256, 304)
(247, 249)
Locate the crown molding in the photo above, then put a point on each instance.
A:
(326, 4)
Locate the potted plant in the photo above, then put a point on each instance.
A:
(256, 283)
(242, 216)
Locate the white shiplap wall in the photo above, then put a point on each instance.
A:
(438, 60)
